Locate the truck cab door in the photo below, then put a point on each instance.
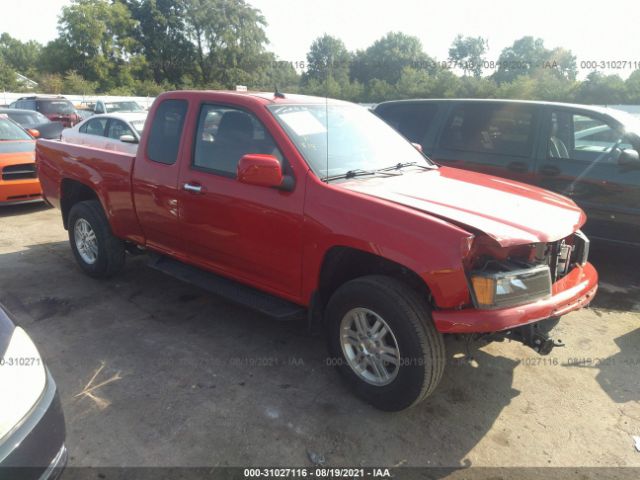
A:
(578, 164)
(155, 178)
(250, 233)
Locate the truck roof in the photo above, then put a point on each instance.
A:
(265, 98)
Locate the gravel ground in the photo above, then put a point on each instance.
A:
(190, 380)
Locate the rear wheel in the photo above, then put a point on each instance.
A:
(97, 251)
(384, 342)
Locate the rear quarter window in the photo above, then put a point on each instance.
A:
(166, 131)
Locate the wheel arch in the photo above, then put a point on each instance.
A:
(72, 192)
(341, 264)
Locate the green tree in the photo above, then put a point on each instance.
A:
(77, 84)
(7, 77)
(524, 56)
(521, 88)
(58, 57)
(20, 56)
(601, 89)
(148, 88)
(468, 54)
(632, 88)
(472, 87)
(529, 55)
(550, 86)
(271, 73)
(161, 35)
(328, 57)
(229, 40)
(51, 83)
(562, 63)
(387, 57)
(98, 38)
(380, 90)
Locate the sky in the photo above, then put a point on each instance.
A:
(595, 31)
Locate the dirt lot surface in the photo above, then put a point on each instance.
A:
(190, 380)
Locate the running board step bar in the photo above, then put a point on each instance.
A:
(228, 289)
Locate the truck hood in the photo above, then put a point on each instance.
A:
(510, 212)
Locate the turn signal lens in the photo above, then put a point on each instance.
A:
(485, 289)
(511, 288)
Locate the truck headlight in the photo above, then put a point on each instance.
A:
(511, 288)
(22, 380)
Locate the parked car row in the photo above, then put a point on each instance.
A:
(20, 127)
(55, 108)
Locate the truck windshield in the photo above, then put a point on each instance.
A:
(350, 138)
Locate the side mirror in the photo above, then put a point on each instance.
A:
(262, 170)
(629, 158)
(33, 132)
(128, 139)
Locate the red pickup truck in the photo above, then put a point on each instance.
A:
(294, 204)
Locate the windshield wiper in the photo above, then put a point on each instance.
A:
(398, 166)
(359, 172)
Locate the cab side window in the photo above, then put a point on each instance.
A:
(166, 131)
(224, 135)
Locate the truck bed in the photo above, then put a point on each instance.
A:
(107, 173)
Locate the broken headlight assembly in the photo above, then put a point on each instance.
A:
(509, 285)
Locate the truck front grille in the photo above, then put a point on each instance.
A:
(564, 254)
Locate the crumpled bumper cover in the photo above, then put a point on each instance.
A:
(572, 292)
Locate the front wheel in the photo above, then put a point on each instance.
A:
(96, 250)
(384, 342)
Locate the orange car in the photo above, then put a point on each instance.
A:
(18, 179)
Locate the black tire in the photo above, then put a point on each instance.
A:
(110, 250)
(420, 345)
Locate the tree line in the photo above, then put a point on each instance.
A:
(144, 47)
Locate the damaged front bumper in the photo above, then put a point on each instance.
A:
(572, 292)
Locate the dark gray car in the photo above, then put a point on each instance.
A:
(584, 152)
(30, 119)
(32, 430)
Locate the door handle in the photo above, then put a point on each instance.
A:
(549, 170)
(192, 187)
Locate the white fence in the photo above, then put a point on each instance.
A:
(8, 97)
